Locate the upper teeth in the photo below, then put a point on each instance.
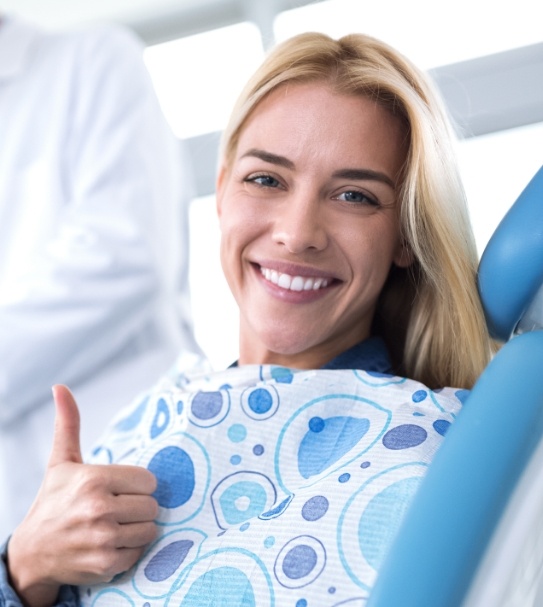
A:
(294, 283)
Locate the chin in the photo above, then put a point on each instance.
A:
(273, 341)
(289, 345)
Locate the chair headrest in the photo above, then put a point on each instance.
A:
(511, 269)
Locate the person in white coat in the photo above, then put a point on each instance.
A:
(93, 238)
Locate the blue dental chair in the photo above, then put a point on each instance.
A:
(473, 536)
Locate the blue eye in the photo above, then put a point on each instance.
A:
(265, 181)
(356, 197)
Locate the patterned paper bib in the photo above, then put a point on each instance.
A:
(276, 487)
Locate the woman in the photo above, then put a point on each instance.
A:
(346, 243)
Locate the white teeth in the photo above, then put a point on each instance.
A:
(293, 283)
(284, 281)
(297, 283)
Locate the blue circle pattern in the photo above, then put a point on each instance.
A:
(314, 465)
(404, 437)
(316, 424)
(315, 508)
(260, 401)
(237, 433)
(240, 497)
(175, 474)
(206, 405)
(419, 396)
(214, 582)
(282, 375)
(224, 578)
(441, 426)
(299, 562)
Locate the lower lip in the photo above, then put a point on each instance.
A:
(289, 296)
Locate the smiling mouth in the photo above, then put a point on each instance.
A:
(294, 283)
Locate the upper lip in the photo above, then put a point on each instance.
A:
(293, 269)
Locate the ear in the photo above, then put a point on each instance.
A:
(404, 255)
(219, 189)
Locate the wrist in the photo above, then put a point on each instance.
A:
(33, 590)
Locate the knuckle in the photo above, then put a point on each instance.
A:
(90, 481)
(102, 538)
(104, 567)
(96, 507)
(108, 565)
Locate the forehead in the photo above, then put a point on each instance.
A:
(312, 118)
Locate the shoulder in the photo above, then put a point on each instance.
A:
(106, 58)
(87, 52)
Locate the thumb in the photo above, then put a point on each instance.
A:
(66, 445)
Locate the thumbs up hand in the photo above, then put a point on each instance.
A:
(88, 522)
(66, 445)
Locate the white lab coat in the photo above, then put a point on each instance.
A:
(93, 239)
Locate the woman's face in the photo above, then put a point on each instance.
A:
(309, 221)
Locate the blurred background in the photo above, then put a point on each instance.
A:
(487, 58)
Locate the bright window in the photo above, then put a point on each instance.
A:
(430, 33)
(495, 169)
(198, 78)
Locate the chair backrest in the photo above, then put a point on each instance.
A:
(447, 530)
(511, 268)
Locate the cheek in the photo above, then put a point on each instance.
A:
(372, 252)
(242, 221)
(236, 234)
(225, 246)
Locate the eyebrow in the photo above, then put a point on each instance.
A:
(269, 157)
(357, 174)
(365, 175)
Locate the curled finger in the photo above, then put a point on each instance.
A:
(135, 508)
(136, 535)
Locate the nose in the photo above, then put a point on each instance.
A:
(300, 224)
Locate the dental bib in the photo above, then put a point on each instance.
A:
(276, 487)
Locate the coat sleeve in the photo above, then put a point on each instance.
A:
(114, 268)
(68, 595)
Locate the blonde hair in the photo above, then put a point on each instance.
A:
(429, 314)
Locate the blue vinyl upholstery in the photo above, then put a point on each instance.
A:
(511, 269)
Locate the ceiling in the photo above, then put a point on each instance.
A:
(484, 94)
(67, 13)
(154, 20)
